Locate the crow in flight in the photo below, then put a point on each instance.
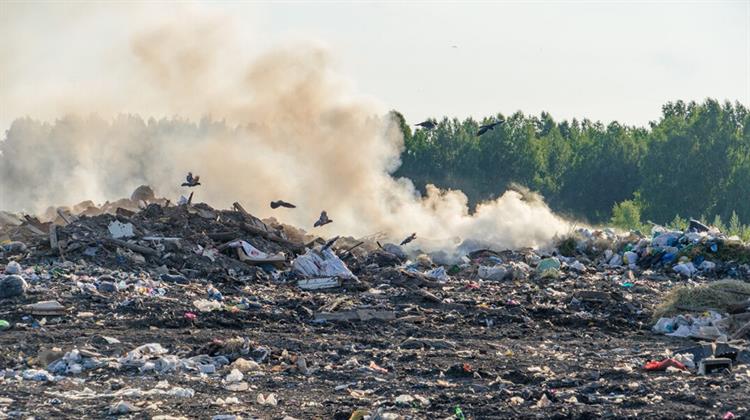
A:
(410, 238)
(428, 125)
(487, 127)
(281, 203)
(323, 220)
(192, 181)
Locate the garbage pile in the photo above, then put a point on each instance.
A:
(700, 250)
(152, 309)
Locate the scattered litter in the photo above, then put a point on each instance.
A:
(121, 230)
(151, 309)
(47, 307)
(319, 283)
(548, 267)
(664, 364)
(321, 264)
(250, 254)
(269, 399)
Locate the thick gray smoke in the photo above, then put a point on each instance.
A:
(285, 126)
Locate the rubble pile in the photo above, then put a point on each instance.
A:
(143, 308)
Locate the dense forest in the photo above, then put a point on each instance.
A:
(693, 162)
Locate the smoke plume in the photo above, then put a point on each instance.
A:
(283, 126)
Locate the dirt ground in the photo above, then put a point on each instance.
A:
(489, 357)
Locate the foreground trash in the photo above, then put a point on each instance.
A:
(155, 310)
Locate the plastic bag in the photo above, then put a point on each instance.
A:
(496, 273)
(321, 264)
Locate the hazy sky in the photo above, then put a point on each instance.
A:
(597, 59)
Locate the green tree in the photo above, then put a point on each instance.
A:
(627, 215)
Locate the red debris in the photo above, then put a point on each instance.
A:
(664, 364)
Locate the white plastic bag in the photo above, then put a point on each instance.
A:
(321, 264)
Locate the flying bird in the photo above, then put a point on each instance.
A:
(428, 125)
(281, 203)
(323, 220)
(487, 127)
(410, 238)
(192, 181)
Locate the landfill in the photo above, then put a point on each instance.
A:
(143, 308)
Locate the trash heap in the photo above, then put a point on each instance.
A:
(700, 250)
(144, 308)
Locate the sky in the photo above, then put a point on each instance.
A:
(600, 60)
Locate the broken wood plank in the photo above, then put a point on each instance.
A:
(414, 287)
(33, 229)
(133, 247)
(272, 237)
(124, 212)
(53, 237)
(355, 246)
(225, 236)
(47, 307)
(33, 221)
(226, 245)
(241, 210)
(427, 295)
(593, 296)
(319, 283)
(206, 214)
(334, 305)
(422, 280)
(743, 331)
(68, 219)
(741, 318)
(250, 218)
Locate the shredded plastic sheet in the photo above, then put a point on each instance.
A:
(708, 326)
(438, 274)
(496, 273)
(321, 264)
(252, 253)
(89, 394)
(121, 230)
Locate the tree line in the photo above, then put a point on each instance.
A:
(693, 162)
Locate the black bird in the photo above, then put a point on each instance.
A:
(281, 203)
(428, 125)
(487, 127)
(323, 220)
(192, 181)
(410, 238)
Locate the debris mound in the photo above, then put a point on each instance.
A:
(722, 296)
(148, 308)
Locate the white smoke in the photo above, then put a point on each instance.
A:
(294, 130)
